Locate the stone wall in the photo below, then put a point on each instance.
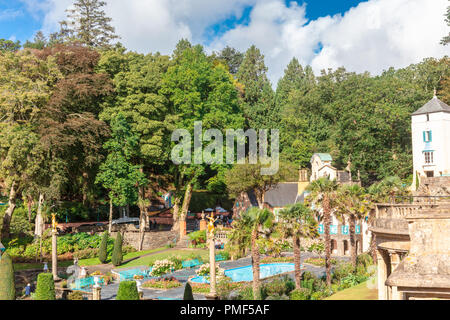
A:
(435, 186)
(152, 239)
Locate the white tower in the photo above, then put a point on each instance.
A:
(431, 140)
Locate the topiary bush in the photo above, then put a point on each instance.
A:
(7, 288)
(117, 256)
(188, 292)
(300, 294)
(127, 291)
(103, 250)
(45, 289)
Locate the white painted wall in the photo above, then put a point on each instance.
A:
(439, 124)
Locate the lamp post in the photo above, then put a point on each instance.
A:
(212, 259)
(54, 248)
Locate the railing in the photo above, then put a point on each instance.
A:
(222, 235)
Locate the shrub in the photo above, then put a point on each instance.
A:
(127, 291)
(188, 292)
(103, 251)
(76, 295)
(45, 289)
(300, 294)
(277, 287)
(342, 270)
(7, 288)
(161, 267)
(364, 259)
(198, 237)
(117, 256)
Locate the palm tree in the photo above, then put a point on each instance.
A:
(322, 196)
(353, 205)
(296, 222)
(259, 221)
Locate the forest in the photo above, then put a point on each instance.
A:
(84, 120)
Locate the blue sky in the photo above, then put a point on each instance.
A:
(16, 22)
(370, 35)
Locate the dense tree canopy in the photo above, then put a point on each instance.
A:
(63, 94)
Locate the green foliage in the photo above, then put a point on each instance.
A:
(277, 286)
(117, 256)
(342, 270)
(76, 295)
(300, 294)
(365, 260)
(127, 291)
(7, 286)
(197, 237)
(87, 23)
(118, 174)
(45, 289)
(103, 250)
(257, 99)
(9, 45)
(188, 292)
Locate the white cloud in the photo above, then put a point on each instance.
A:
(9, 14)
(373, 36)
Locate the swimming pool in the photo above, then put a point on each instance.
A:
(246, 273)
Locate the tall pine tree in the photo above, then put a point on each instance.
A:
(88, 24)
(257, 99)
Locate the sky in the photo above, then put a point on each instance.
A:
(370, 35)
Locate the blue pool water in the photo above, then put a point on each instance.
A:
(129, 274)
(246, 273)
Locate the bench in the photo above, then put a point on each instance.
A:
(190, 263)
(219, 257)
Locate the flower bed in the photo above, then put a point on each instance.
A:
(161, 267)
(319, 262)
(164, 283)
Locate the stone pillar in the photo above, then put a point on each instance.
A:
(97, 293)
(203, 222)
(54, 255)
(212, 268)
(182, 228)
(340, 248)
(395, 260)
(382, 275)
(396, 295)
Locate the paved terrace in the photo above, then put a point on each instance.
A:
(109, 292)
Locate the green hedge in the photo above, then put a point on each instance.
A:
(45, 289)
(127, 291)
(188, 292)
(7, 288)
(117, 256)
(103, 251)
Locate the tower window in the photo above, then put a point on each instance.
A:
(427, 136)
(428, 117)
(429, 157)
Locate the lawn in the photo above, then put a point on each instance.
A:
(82, 262)
(131, 255)
(183, 254)
(359, 292)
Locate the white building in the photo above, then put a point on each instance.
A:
(431, 140)
(321, 167)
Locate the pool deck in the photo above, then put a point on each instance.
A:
(109, 292)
